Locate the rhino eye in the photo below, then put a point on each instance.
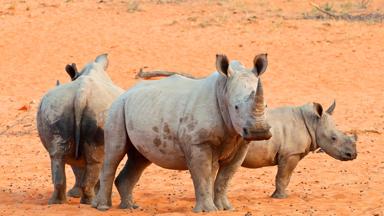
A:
(334, 138)
(236, 107)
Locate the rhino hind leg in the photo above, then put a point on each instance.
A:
(115, 150)
(59, 181)
(283, 176)
(75, 191)
(129, 176)
(224, 175)
(199, 161)
(93, 155)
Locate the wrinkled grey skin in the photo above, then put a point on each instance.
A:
(70, 122)
(181, 123)
(295, 132)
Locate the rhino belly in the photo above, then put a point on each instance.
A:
(260, 154)
(162, 152)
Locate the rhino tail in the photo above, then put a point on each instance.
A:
(79, 105)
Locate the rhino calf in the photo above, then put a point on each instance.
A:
(295, 132)
(70, 125)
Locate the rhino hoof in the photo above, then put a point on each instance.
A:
(205, 208)
(74, 192)
(85, 200)
(56, 201)
(223, 204)
(99, 205)
(278, 195)
(102, 207)
(127, 205)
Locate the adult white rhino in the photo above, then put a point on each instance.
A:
(180, 123)
(70, 122)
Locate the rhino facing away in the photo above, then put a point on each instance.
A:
(295, 132)
(181, 123)
(70, 122)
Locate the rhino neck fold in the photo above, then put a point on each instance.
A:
(311, 132)
(221, 96)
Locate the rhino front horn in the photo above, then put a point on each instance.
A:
(259, 100)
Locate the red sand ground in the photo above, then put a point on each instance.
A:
(310, 60)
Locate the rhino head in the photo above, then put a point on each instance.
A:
(73, 73)
(243, 97)
(326, 136)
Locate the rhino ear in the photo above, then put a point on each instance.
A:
(260, 63)
(222, 65)
(331, 108)
(72, 71)
(318, 109)
(103, 59)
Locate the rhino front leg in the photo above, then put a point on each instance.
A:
(284, 173)
(75, 191)
(59, 181)
(225, 174)
(199, 161)
(129, 176)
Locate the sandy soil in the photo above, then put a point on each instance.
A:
(309, 60)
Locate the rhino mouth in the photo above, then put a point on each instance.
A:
(347, 156)
(256, 135)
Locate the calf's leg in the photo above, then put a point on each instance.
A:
(284, 173)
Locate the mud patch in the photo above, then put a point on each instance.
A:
(157, 142)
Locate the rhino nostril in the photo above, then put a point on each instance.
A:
(349, 155)
(245, 131)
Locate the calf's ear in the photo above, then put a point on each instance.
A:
(260, 63)
(222, 65)
(331, 108)
(72, 71)
(318, 109)
(103, 59)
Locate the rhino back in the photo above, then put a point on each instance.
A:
(54, 116)
(163, 115)
(289, 137)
